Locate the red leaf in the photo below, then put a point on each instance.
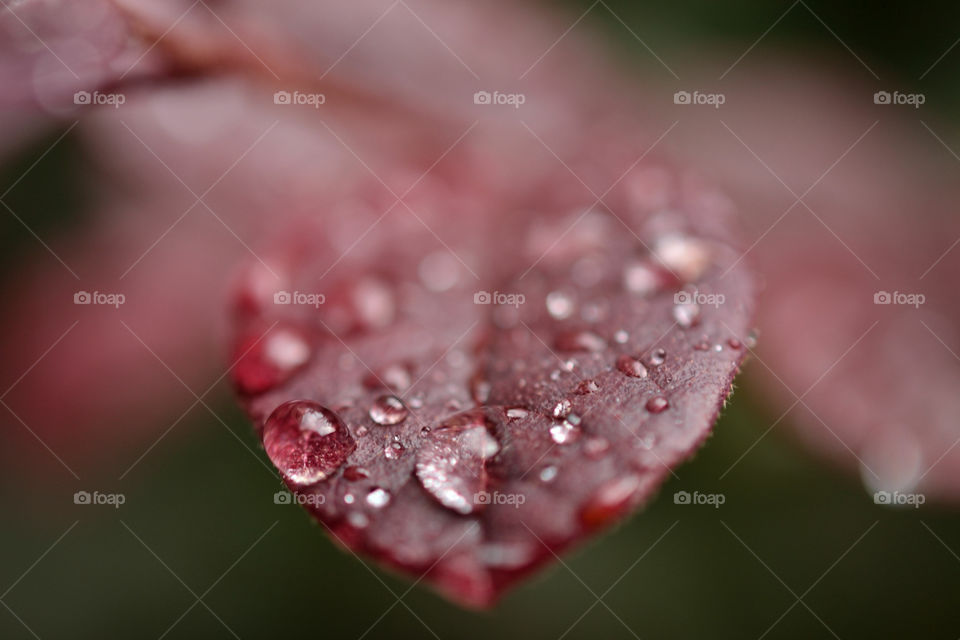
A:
(513, 372)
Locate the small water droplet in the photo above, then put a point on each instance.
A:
(516, 413)
(587, 386)
(393, 451)
(349, 498)
(610, 501)
(562, 409)
(439, 271)
(686, 314)
(354, 473)
(265, 362)
(631, 367)
(395, 377)
(687, 257)
(548, 473)
(565, 432)
(361, 431)
(641, 278)
(596, 447)
(751, 339)
(734, 344)
(580, 341)
(560, 305)
(480, 388)
(657, 404)
(657, 357)
(701, 345)
(378, 498)
(358, 520)
(621, 336)
(306, 442)
(388, 410)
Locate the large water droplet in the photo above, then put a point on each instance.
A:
(306, 442)
(388, 410)
(451, 462)
(631, 367)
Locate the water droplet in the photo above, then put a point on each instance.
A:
(562, 409)
(388, 410)
(751, 339)
(516, 413)
(596, 447)
(657, 404)
(265, 362)
(358, 520)
(354, 473)
(439, 271)
(378, 498)
(631, 367)
(395, 377)
(480, 388)
(374, 303)
(451, 463)
(657, 357)
(580, 341)
(641, 278)
(548, 473)
(610, 501)
(565, 432)
(560, 305)
(393, 451)
(702, 345)
(361, 431)
(306, 442)
(587, 386)
(621, 336)
(687, 257)
(349, 498)
(734, 344)
(686, 314)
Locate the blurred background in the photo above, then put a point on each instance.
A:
(199, 548)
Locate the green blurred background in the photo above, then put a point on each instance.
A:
(789, 527)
